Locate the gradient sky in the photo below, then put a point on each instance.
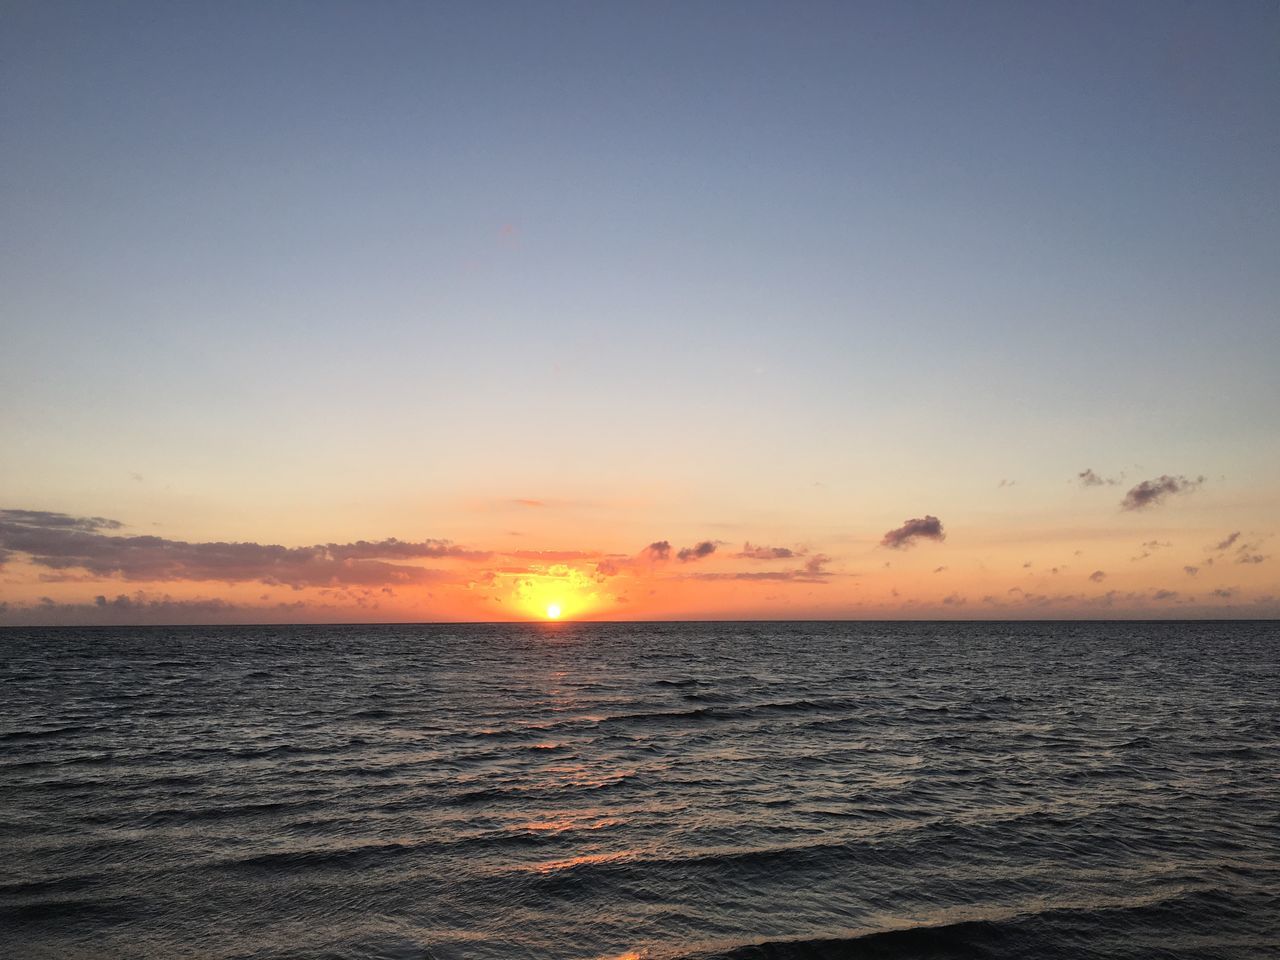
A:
(535, 286)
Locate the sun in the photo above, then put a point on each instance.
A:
(553, 611)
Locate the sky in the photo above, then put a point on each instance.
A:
(464, 311)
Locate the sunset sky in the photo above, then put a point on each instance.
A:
(411, 312)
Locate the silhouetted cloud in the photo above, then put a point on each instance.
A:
(1225, 593)
(1088, 478)
(1226, 543)
(658, 550)
(926, 527)
(1245, 557)
(45, 519)
(752, 552)
(1151, 492)
(65, 543)
(1165, 595)
(1098, 576)
(1190, 570)
(697, 551)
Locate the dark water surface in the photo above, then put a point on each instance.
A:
(652, 790)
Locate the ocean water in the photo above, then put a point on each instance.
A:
(733, 790)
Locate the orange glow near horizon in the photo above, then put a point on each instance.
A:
(555, 592)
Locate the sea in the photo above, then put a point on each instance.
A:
(744, 791)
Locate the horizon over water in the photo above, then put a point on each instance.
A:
(663, 789)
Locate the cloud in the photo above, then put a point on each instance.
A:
(658, 550)
(64, 543)
(799, 576)
(811, 572)
(813, 566)
(927, 528)
(57, 521)
(752, 552)
(1088, 478)
(1225, 593)
(955, 600)
(1190, 570)
(1226, 543)
(1165, 595)
(1098, 576)
(1151, 492)
(1246, 552)
(526, 502)
(697, 551)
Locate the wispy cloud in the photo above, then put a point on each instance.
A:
(1088, 478)
(921, 528)
(1149, 493)
(753, 552)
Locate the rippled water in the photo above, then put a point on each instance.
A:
(662, 790)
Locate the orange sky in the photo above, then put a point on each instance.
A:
(1168, 546)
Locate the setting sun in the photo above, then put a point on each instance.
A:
(553, 611)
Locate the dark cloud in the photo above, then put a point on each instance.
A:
(1225, 593)
(1088, 478)
(1190, 570)
(47, 520)
(1151, 492)
(752, 552)
(1226, 543)
(64, 543)
(658, 550)
(1165, 595)
(1098, 576)
(927, 528)
(1246, 552)
(697, 551)
(955, 600)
